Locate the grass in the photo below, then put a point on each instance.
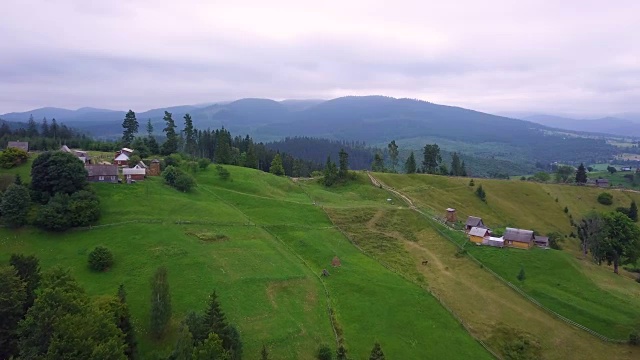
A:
(261, 243)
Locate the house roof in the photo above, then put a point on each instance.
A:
(65, 148)
(133, 171)
(102, 170)
(474, 221)
(519, 235)
(155, 161)
(541, 239)
(141, 165)
(127, 150)
(122, 157)
(23, 145)
(451, 209)
(478, 231)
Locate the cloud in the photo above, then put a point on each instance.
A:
(565, 57)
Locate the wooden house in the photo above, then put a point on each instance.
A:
(22, 145)
(473, 221)
(541, 241)
(477, 234)
(121, 159)
(518, 238)
(102, 173)
(81, 155)
(133, 173)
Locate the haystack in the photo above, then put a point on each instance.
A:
(335, 262)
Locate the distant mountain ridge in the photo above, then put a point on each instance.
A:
(622, 125)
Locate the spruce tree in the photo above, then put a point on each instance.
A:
(12, 302)
(125, 325)
(581, 175)
(343, 168)
(330, 173)
(521, 275)
(378, 163)
(410, 164)
(189, 136)
(376, 353)
(32, 128)
(276, 167)
(170, 145)
(393, 155)
(456, 166)
(130, 125)
(28, 268)
(633, 211)
(160, 302)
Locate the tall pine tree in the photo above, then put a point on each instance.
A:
(633, 211)
(376, 352)
(581, 175)
(410, 165)
(170, 145)
(130, 126)
(160, 302)
(393, 155)
(125, 325)
(343, 169)
(189, 136)
(276, 167)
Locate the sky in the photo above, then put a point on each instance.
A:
(559, 57)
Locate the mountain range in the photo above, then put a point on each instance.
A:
(375, 120)
(623, 124)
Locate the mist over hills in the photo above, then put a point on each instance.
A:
(375, 120)
(627, 124)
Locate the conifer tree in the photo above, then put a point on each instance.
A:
(330, 173)
(633, 211)
(393, 155)
(28, 268)
(125, 325)
(130, 125)
(378, 163)
(376, 352)
(160, 302)
(343, 168)
(410, 164)
(170, 145)
(32, 128)
(581, 175)
(456, 166)
(432, 158)
(12, 303)
(189, 136)
(276, 167)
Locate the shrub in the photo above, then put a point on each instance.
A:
(481, 194)
(634, 338)
(63, 211)
(184, 182)
(14, 205)
(223, 173)
(555, 240)
(100, 259)
(203, 163)
(471, 183)
(566, 210)
(13, 157)
(523, 178)
(605, 198)
(324, 353)
(521, 275)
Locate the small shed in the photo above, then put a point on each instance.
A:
(518, 238)
(134, 173)
(493, 241)
(154, 169)
(477, 234)
(541, 241)
(603, 183)
(102, 173)
(473, 221)
(451, 215)
(22, 145)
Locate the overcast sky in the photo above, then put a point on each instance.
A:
(570, 56)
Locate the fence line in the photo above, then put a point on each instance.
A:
(506, 282)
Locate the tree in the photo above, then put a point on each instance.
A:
(54, 129)
(152, 143)
(149, 129)
(611, 169)
(264, 354)
(555, 240)
(32, 128)
(330, 173)
(633, 211)
(12, 157)
(343, 169)
(481, 194)
(123, 321)
(410, 164)
(189, 136)
(45, 128)
(376, 352)
(605, 198)
(100, 259)
(28, 268)
(130, 125)
(521, 275)
(57, 172)
(160, 302)
(17, 180)
(564, 173)
(541, 176)
(393, 154)
(184, 346)
(619, 243)
(581, 175)
(12, 302)
(378, 163)
(15, 205)
(324, 353)
(456, 166)
(590, 230)
(276, 167)
(341, 353)
(210, 349)
(432, 158)
(216, 322)
(170, 145)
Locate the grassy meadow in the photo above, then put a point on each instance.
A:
(260, 241)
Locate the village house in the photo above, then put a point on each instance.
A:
(625, 168)
(477, 234)
(541, 241)
(122, 157)
(133, 173)
(102, 173)
(518, 238)
(603, 183)
(82, 155)
(493, 241)
(22, 145)
(473, 221)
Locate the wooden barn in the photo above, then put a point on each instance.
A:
(541, 241)
(102, 173)
(154, 169)
(22, 145)
(134, 173)
(518, 238)
(473, 221)
(477, 234)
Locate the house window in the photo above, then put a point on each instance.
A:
(101, 178)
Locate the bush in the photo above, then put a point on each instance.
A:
(324, 353)
(481, 194)
(634, 338)
(100, 259)
(521, 275)
(184, 182)
(63, 211)
(223, 173)
(555, 240)
(605, 198)
(13, 157)
(203, 163)
(471, 183)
